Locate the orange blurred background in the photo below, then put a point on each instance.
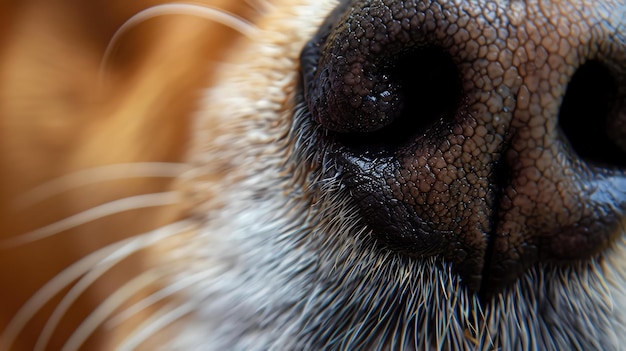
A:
(55, 119)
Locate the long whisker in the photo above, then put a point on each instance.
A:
(203, 11)
(107, 307)
(123, 294)
(164, 318)
(112, 252)
(107, 209)
(50, 289)
(100, 174)
(260, 6)
(150, 300)
(72, 295)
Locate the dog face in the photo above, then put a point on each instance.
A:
(365, 175)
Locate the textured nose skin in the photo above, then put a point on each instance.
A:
(488, 180)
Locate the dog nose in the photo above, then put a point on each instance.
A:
(489, 134)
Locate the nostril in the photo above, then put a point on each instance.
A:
(381, 62)
(429, 92)
(586, 117)
(440, 130)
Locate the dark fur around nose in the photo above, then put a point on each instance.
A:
(491, 134)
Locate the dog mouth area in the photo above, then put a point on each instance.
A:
(449, 149)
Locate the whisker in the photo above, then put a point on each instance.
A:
(202, 11)
(50, 289)
(260, 6)
(106, 308)
(167, 316)
(112, 252)
(72, 295)
(107, 209)
(150, 300)
(100, 174)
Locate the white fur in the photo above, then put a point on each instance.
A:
(286, 261)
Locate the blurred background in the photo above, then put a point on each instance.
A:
(58, 116)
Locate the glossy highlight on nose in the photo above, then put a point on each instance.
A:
(453, 126)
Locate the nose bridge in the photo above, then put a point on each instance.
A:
(543, 50)
(546, 50)
(528, 54)
(547, 209)
(516, 66)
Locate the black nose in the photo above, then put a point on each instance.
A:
(491, 134)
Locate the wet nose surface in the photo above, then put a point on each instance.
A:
(490, 134)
